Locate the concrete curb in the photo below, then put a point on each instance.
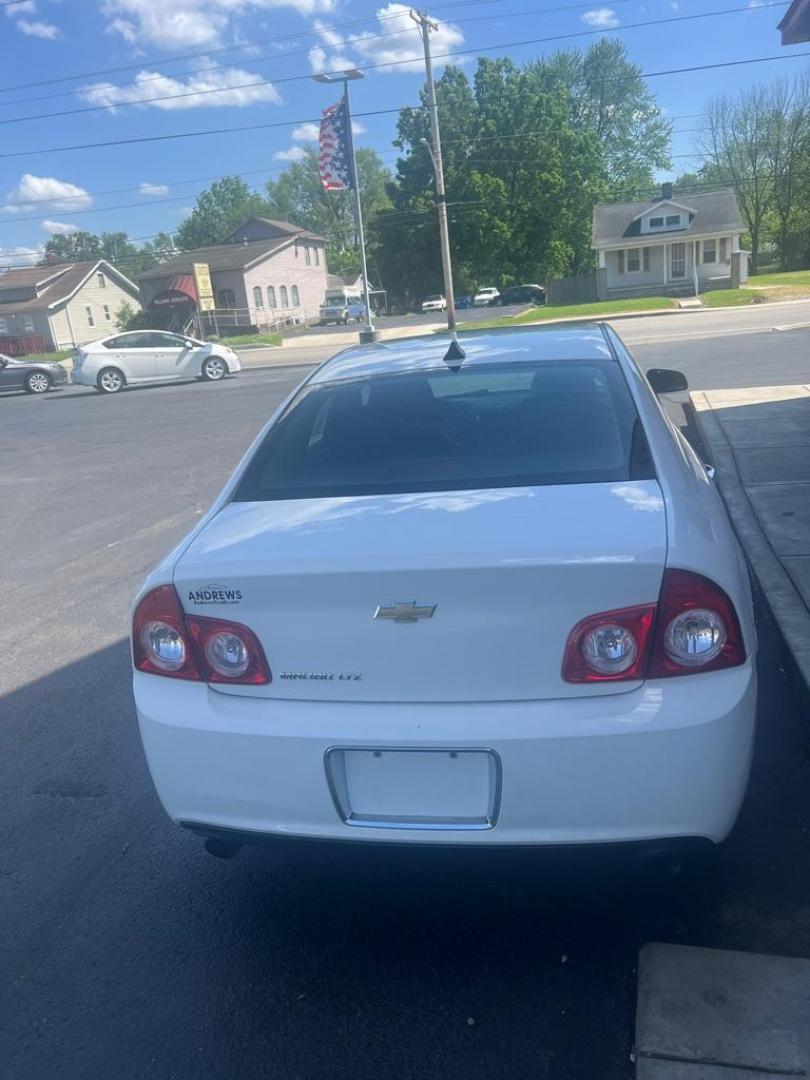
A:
(783, 598)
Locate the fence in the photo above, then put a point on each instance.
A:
(225, 322)
(579, 289)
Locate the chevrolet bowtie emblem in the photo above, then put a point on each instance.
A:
(405, 611)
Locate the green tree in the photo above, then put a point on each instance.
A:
(73, 247)
(218, 211)
(298, 195)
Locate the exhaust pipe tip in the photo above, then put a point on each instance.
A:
(222, 849)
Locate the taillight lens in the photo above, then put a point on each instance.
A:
(697, 628)
(692, 628)
(165, 641)
(610, 646)
(160, 642)
(230, 653)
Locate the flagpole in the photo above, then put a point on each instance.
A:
(368, 334)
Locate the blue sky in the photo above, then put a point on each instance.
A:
(174, 64)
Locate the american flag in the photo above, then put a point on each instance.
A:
(335, 157)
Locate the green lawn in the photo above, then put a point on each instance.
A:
(251, 339)
(731, 297)
(45, 357)
(791, 277)
(578, 311)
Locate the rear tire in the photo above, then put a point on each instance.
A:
(214, 369)
(37, 382)
(110, 381)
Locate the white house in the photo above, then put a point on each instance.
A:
(57, 307)
(675, 245)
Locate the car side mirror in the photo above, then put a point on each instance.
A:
(189, 344)
(3, 363)
(666, 381)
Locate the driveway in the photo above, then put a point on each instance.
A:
(129, 953)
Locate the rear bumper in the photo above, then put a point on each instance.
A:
(667, 761)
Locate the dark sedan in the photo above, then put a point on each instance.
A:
(523, 294)
(33, 376)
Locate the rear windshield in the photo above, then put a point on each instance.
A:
(504, 425)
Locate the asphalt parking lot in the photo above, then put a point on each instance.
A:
(129, 953)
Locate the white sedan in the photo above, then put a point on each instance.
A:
(434, 303)
(484, 596)
(150, 356)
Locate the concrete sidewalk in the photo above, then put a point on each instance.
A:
(759, 442)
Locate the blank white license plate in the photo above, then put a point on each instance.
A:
(415, 789)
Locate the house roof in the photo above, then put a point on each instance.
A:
(713, 211)
(285, 228)
(60, 286)
(222, 256)
(32, 275)
(343, 281)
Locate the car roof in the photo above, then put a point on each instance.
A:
(580, 341)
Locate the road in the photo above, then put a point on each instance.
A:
(129, 953)
(655, 329)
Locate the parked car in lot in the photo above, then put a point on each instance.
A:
(487, 597)
(342, 305)
(523, 294)
(150, 356)
(486, 297)
(434, 303)
(33, 376)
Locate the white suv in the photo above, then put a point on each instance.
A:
(486, 297)
(434, 303)
(150, 356)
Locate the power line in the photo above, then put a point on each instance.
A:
(276, 56)
(223, 49)
(253, 84)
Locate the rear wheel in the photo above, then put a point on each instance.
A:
(37, 382)
(110, 381)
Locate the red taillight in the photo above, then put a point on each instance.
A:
(692, 628)
(616, 640)
(697, 628)
(167, 642)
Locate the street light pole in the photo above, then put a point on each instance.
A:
(368, 333)
(425, 25)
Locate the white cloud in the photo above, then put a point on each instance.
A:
(146, 188)
(27, 7)
(38, 28)
(305, 133)
(320, 60)
(58, 228)
(405, 43)
(46, 192)
(231, 87)
(19, 256)
(292, 153)
(191, 23)
(600, 18)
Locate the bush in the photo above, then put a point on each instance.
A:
(127, 318)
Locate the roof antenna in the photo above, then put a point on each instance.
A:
(454, 355)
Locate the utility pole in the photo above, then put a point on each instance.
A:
(368, 333)
(425, 25)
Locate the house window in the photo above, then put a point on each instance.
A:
(295, 297)
(723, 249)
(656, 223)
(317, 256)
(102, 281)
(28, 324)
(258, 299)
(3, 327)
(284, 298)
(107, 313)
(308, 256)
(673, 219)
(633, 260)
(271, 296)
(89, 313)
(226, 299)
(710, 251)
